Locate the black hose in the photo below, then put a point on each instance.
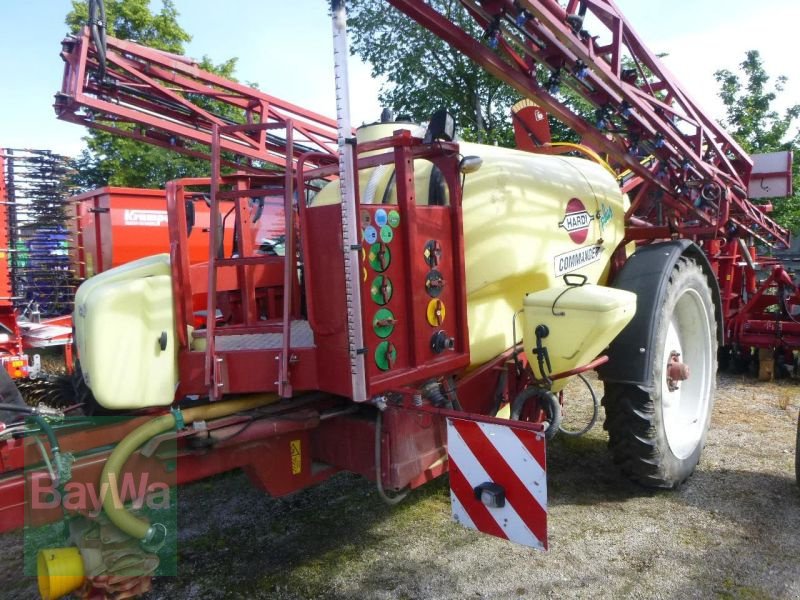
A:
(16, 408)
(595, 412)
(97, 26)
(546, 400)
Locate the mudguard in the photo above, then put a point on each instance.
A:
(646, 273)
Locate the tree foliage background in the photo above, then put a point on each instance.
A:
(749, 97)
(426, 74)
(113, 160)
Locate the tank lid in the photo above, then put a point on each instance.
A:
(591, 298)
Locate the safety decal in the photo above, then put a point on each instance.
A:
(297, 457)
(576, 221)
(576, 259)
(605, 216)
(370, 235)
(381, 218)
(387, 234)
(498, 480)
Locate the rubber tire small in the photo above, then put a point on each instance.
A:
(635, 418)
(547, 401)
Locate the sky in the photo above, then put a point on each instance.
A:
(286, 47)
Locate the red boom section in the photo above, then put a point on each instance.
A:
(687, 177)
(167, 100)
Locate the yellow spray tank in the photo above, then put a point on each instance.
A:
(528, 220)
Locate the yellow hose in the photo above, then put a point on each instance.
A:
(588, 152)
(112, 505)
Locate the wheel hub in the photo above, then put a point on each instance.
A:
(676, 371)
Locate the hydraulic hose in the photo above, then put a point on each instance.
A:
(112, 505)
(43, 425)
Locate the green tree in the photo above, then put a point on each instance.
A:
(114, 160)
(425, 74)
(751, 117)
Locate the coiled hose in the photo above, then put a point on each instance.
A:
(134, 526)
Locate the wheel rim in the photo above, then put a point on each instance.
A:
(685, 410)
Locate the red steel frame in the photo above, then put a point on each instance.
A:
(260, 294)
(655, 113)
(12, 355)
(687, 177)
(413, 449)
(164, 99)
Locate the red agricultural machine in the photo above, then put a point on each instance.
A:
(36, 276)
(430, 299)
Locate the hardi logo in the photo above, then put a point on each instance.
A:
(576, 221)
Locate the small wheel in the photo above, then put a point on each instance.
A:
(538, 405)
(656, 434)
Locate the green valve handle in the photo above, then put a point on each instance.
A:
(381, 290)
(385, 355)
(383, 323)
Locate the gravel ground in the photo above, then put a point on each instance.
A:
(732, 531)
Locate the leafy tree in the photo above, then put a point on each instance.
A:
(426, 74)
(759, 127)
(113, 160)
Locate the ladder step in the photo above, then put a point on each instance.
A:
(248, 260)
(301, 337)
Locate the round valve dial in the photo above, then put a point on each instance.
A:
(433, 253)
(381, 289)
(434, 283)
(383, 323)
(380, 257)
(436, 312)
(385, 355)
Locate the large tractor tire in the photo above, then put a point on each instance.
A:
(657, 431)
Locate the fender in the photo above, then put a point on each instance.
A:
(646, 273)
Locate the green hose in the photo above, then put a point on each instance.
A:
(112, 505)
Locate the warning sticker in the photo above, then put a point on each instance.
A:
(576, 259)
(297, 458)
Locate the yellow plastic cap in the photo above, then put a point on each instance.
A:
(60, 571)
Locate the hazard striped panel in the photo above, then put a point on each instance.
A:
(498, 480)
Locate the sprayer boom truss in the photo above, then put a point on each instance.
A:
(687, 176)
(168, 100)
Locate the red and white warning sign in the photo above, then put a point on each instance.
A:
(498, 480)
